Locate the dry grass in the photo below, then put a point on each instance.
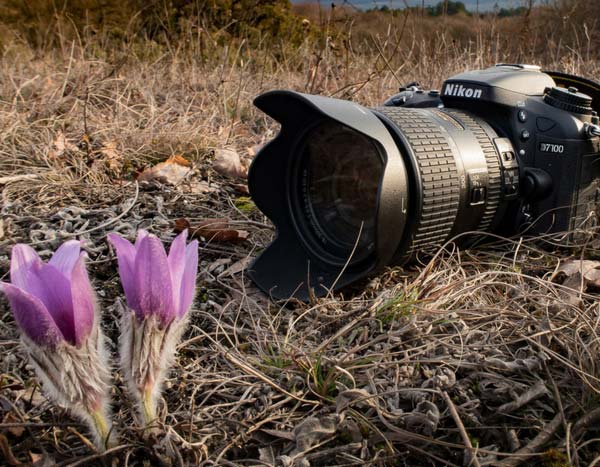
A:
(473, 357)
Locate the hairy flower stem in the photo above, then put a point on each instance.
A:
(147, 352)
(149, 408)
(101, 425)
(78, 379)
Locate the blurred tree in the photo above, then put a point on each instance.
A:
(36, 19)
(448, 7)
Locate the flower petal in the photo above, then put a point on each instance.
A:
(126, 260)
(188, 282)
(57, 299)
(23, 260)
(140, 236)
(66, 256)
(25, 266)
(153, 281)
(83, 302)
(177, 265)
(32, 316)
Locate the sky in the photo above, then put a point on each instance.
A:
(484, 5)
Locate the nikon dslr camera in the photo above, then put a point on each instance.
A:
(509, 150)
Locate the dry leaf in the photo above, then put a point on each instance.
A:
(254, 150)
(573, 270)
(213, 230)
(179, 159)
(267, 455)
(111, 156)
(172, 171)
(228, 162)
(16, 431)
(354, 397)
(7, 452)
(31, 395)
(236, 267)
(313, 430)
(241, 188)
(60, 145)
(48, 85)
(220, 263)
(424, 419)
(279, 434)
(201, 187)
(38, 459)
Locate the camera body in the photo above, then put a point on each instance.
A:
(509, 150)
(552, 170)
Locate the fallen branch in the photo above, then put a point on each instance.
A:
(589, 419)
(537, 390)
(534, 446)
(470, 452)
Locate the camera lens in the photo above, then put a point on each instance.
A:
(457, 175)
(341, 172)
(352, 190)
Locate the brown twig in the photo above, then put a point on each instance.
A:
(537, 390)
(535, 444)
(470, 451)
(18, 178)
(589, 419)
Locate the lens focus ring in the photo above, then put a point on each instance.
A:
(438, 176)
(493, 166)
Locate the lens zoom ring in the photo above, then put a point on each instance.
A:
(438, 173)
(493, 167)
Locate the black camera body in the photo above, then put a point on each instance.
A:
(509, 150)
(557, 174)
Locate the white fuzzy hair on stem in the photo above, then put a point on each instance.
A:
(147, 352)
(79, 380)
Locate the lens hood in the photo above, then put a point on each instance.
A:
(287, 268)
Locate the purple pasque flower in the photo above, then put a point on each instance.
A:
(51, 302)
(55, 307)
(156, 284)
(159, 291)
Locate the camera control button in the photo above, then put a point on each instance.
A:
(508, 156)
(522, 116)
(477, 195)
(544, 124)
(511, 182)
(525, 135)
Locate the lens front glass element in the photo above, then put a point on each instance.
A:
(341, 171)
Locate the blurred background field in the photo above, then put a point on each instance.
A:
(185, 72)
(93, 93)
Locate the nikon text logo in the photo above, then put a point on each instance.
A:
(458, 90)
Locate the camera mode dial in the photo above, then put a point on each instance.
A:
(569, 99)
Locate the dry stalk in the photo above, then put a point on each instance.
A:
(470, 452)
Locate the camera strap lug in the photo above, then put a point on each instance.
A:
(591, 130)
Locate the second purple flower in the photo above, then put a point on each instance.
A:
(155, 284)
(159, 290)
